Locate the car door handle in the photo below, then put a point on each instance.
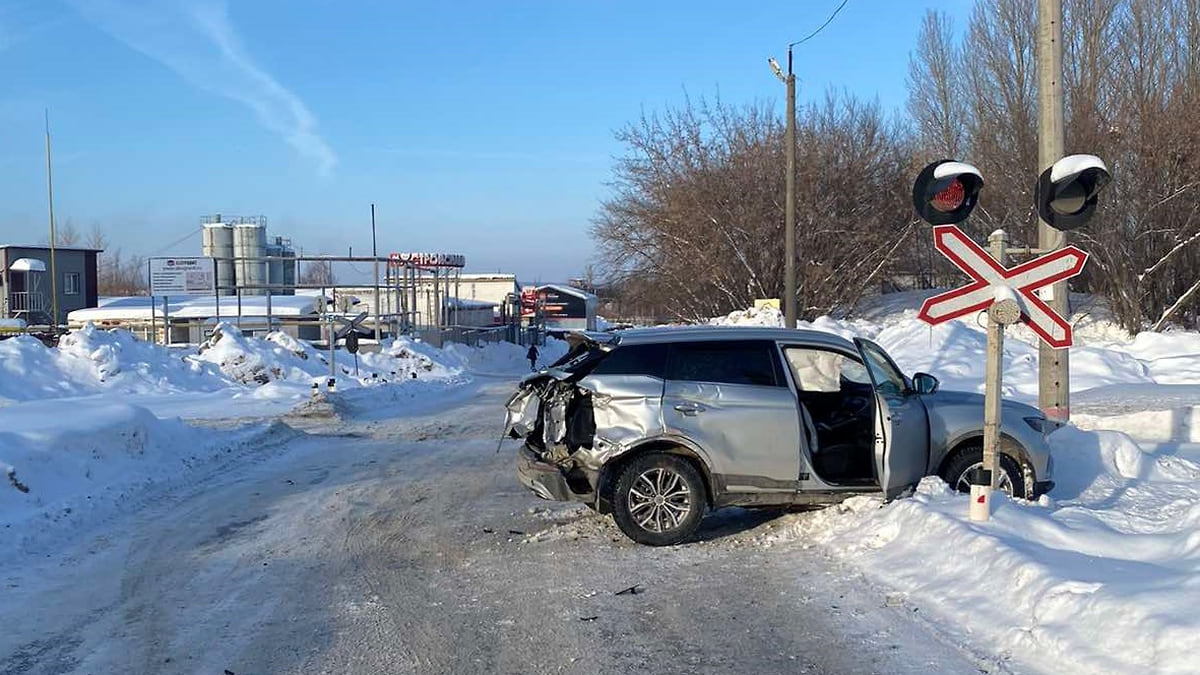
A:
(689, 409)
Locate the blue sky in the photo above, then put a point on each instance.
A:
(482, 128)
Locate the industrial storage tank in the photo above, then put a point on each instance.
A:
(218, 243)
(250, 241)
(282, 272)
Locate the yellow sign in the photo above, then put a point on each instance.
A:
(760, 303)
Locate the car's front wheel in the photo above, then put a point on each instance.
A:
(659, 499)
(957, 473)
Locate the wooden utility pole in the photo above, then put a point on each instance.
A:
(1054, 365)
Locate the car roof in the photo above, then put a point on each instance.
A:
(665, 334)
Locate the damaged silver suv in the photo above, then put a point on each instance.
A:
(658, 425)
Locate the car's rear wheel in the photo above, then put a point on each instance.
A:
(659, 499)
(957, 473)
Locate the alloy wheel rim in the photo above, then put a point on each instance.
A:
(659, 500)
(963, 484)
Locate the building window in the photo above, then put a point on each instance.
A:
(71, 283)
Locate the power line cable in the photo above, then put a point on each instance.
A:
(827, 22)
(182, 239)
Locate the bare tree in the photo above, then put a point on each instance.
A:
(1131, 74)
(65, 233)
(696, 220)
(936, 100)
(96, 238)
(317, 273)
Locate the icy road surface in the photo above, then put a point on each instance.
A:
(400, 542)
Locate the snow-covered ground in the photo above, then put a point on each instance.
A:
(1100, 576)
(91, 427)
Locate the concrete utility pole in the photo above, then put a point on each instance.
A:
(789, 266)
(1054, 365)
(789, 236)
(789, 232)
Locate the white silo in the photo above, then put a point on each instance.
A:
(250, 241)
(282, 270)
(218, 243)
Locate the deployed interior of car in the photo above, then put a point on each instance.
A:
(837, 408)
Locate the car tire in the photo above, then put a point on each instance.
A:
(658, 499)
(968, 457)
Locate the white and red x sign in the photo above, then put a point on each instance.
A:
(1025, 278)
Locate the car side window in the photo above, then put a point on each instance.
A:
(888, 378)
(821, 370)
(725, 362)
(648, 360)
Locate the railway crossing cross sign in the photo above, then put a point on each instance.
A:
(992, 278)
(349, 326)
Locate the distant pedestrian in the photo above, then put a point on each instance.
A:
(532, 355)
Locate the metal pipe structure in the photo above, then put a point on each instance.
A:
(53, 234)
(998, 242)
(375, 257)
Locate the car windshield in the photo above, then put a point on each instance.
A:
(581, 357)
(887, 377)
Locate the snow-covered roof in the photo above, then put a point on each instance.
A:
(28, 265)
(463, 303)
(46, 247)
(569, 290)
(488, 277)
(143, 308)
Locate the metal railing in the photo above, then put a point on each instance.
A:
(475, 336)
(27, 301)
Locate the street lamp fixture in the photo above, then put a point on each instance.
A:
(776, 69)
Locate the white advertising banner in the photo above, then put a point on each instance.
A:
(182, 276)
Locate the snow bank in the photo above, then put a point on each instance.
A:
(282, 358)
(63, 469)
(1115, 553)
(1103, 356)
(91, 361)
(80, 439)
(1102, 575)
(503, 358)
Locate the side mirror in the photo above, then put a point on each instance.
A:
(946, 192)
(924, 383)
(1066, 192)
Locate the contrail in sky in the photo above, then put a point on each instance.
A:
(197, 41)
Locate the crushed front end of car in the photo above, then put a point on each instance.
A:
(572, 424)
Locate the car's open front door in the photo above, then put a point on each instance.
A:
(901, 425)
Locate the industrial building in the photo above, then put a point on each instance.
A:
(560, 308)
(245, 259)
(26, 290)
(498, 289)
(246, 278)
